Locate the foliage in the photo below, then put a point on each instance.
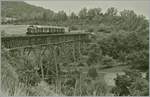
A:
(3, 33)
(132, 83)
(111, 11)
(83, 13)
(127, 47)
(119, 36)
(19, 77)
(108, 61)
(43, 89)
(92, 73)
(126, 20)
(10, 85)
(139, 60)
(86, 87)
(94, 53)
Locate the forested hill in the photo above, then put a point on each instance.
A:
(21, 10)
(91, 20)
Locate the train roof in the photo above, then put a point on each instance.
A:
(46, 26)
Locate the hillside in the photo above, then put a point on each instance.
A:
(119, 45)
(21, 10)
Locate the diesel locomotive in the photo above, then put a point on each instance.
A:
(34, 29)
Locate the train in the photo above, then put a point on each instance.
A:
(36, 29)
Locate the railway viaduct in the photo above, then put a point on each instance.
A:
(54, 48)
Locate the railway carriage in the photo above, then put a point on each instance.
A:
(45, 30)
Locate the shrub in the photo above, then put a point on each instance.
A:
(94, 53)
(92, 73)
(138, 59)
(3, 33)
(43, 89)
(108, 61)
(131, 84)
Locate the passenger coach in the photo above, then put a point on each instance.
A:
(45, 30)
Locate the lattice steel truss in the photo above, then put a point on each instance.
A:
(56, 49)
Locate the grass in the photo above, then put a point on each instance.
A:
(12, 86)
(14, 29)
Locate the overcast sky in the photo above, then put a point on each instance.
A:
(139, 6)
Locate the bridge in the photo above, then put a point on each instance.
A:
(52, 49)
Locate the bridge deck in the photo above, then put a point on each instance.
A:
(30, 40)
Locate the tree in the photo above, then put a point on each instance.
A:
(129, 20)
(83, 13)
(139, 59)
(62, 16)
(94, 53)
(111, 11)
(45, 16)
(131, 84)
(93, 12)
(127, 13)
(73, 16)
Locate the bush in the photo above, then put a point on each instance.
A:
(138, 59)
(3, 33)
(131, 84)
(92, 73)
(104, 28)
(108, 61)
(94, 53)
(43, 89)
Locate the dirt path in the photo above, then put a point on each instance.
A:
(111, 73)
(109, 78)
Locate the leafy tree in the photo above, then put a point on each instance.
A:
(83, 13)
(131, 84)
(94, 53)
(130, 20)
(139, 60)
(111, 11)
(45, 16)
(73, 16)
(93, 12)
(108, 61)
(62, 15)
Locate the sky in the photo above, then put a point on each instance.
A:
(141, 7)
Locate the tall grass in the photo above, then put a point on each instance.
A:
(15, 69)
(10, 85)
(10, 78)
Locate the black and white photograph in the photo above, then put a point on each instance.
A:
(74, 47)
